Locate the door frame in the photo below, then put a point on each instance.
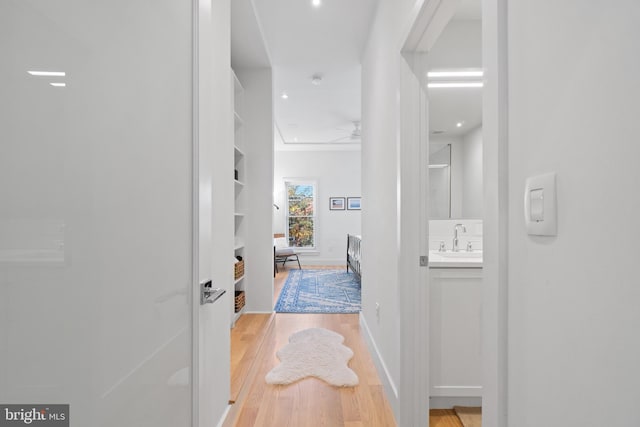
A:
(413, 232)
(431, 17)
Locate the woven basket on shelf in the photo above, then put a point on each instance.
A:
(239, 300)
(238, 270)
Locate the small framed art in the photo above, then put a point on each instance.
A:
(353, 203)
(336, 203)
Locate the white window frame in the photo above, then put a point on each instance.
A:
(313, 183)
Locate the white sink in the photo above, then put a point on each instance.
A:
(460, 254)
(460, 259)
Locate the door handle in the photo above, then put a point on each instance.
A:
(208, 294)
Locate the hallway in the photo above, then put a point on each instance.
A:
(311, 402)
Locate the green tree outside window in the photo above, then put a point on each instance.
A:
(301, 214)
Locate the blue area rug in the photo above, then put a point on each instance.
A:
(319, 291)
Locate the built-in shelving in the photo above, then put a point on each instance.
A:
(239, 184)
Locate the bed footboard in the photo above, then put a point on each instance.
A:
(353, 254)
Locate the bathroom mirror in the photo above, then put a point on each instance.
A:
(455, 120)
(439, 181)
(455, 176)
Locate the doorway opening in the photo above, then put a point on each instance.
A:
(462, 219)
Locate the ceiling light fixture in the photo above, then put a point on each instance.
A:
(316, 79)
(58, 84)
(316, 3)
(47, 73)
(454, 84)
(438, 166)
(284, 95)
(459, 124)
(437, 74)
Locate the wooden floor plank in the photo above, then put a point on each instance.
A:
(246, 338)
(444, 418)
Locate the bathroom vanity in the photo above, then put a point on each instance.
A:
(455, 328)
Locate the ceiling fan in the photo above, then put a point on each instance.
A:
(355, 134)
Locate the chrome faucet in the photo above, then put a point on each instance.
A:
(455, 236)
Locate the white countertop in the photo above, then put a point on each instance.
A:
(460, 259)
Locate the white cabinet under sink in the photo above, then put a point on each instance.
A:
(455, 332)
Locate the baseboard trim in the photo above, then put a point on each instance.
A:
(224, 416)
(448, 402)
(387, 381)
(456, 390)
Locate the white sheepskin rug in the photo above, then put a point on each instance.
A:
(314, 352)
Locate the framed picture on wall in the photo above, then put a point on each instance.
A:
(353, 203)
(336, 203)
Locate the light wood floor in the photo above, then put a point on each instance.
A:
(246, 340)
(444, 418)
(309, 402)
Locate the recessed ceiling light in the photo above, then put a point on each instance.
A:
(438, 166)
(436, 74)
(454, 84)
(47, 73)
(459, 124)
(316, 79)
(58, 84)
(284, 95)
(316, 3)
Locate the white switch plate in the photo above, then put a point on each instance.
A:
(540, 212)
(536, 204)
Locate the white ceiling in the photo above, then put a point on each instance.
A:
(303, 40)
(459, 46)
(299, 41)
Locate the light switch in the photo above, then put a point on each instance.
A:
(536, 204)
(540, 214)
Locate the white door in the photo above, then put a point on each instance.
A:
(215, 223)
(96, 210)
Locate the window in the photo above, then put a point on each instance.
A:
(301, 214)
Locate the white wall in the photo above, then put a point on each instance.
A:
(257, 113)
(458, 46)
(381, 68)
(337, 174)
(573, 308)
